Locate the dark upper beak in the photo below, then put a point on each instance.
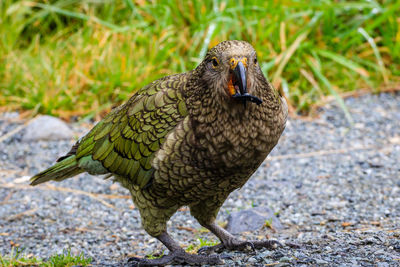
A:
(240, 74)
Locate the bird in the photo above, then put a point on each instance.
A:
(187, 139)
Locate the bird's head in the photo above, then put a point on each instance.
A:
(230, 69)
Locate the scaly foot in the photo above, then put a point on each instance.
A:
(177, 257)
(236, 244)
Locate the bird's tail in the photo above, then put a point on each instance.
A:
(64, 169)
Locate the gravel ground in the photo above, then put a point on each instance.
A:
(335, 189)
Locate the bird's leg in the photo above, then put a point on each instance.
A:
(154, 221)
(177, 255)
(232, 243)
(206, 211)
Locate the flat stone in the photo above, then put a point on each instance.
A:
(251, 220)
(47, 128)
(321, 262)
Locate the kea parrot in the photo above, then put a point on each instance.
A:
(187, 139)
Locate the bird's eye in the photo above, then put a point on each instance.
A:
(255, 61)
(215, 62)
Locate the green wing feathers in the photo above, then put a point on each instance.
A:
(126, 140)
(58, 172)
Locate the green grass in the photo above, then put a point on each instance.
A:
(17, 258)
(74, 58)
(201, 243)
(155, 256)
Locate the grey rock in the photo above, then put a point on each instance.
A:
(47, 128)
(252, 260)
(285, 259)
(251, 220)
(320, 261)
(265, 254)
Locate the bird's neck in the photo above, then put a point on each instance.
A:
(212, 114)
(205, 103)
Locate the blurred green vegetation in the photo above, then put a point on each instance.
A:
(17, 258)
(72, 58)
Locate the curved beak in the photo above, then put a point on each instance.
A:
(240, 73)
(240, 80)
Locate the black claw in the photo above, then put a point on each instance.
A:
(210, 249)
(270, 244)
(253, 248)
(134, 261)
(291, 245)
(203, 250)
(226, 257)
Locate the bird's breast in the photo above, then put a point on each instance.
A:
(213, 155)
(231, 144)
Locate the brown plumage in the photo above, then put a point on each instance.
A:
(186, 140)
